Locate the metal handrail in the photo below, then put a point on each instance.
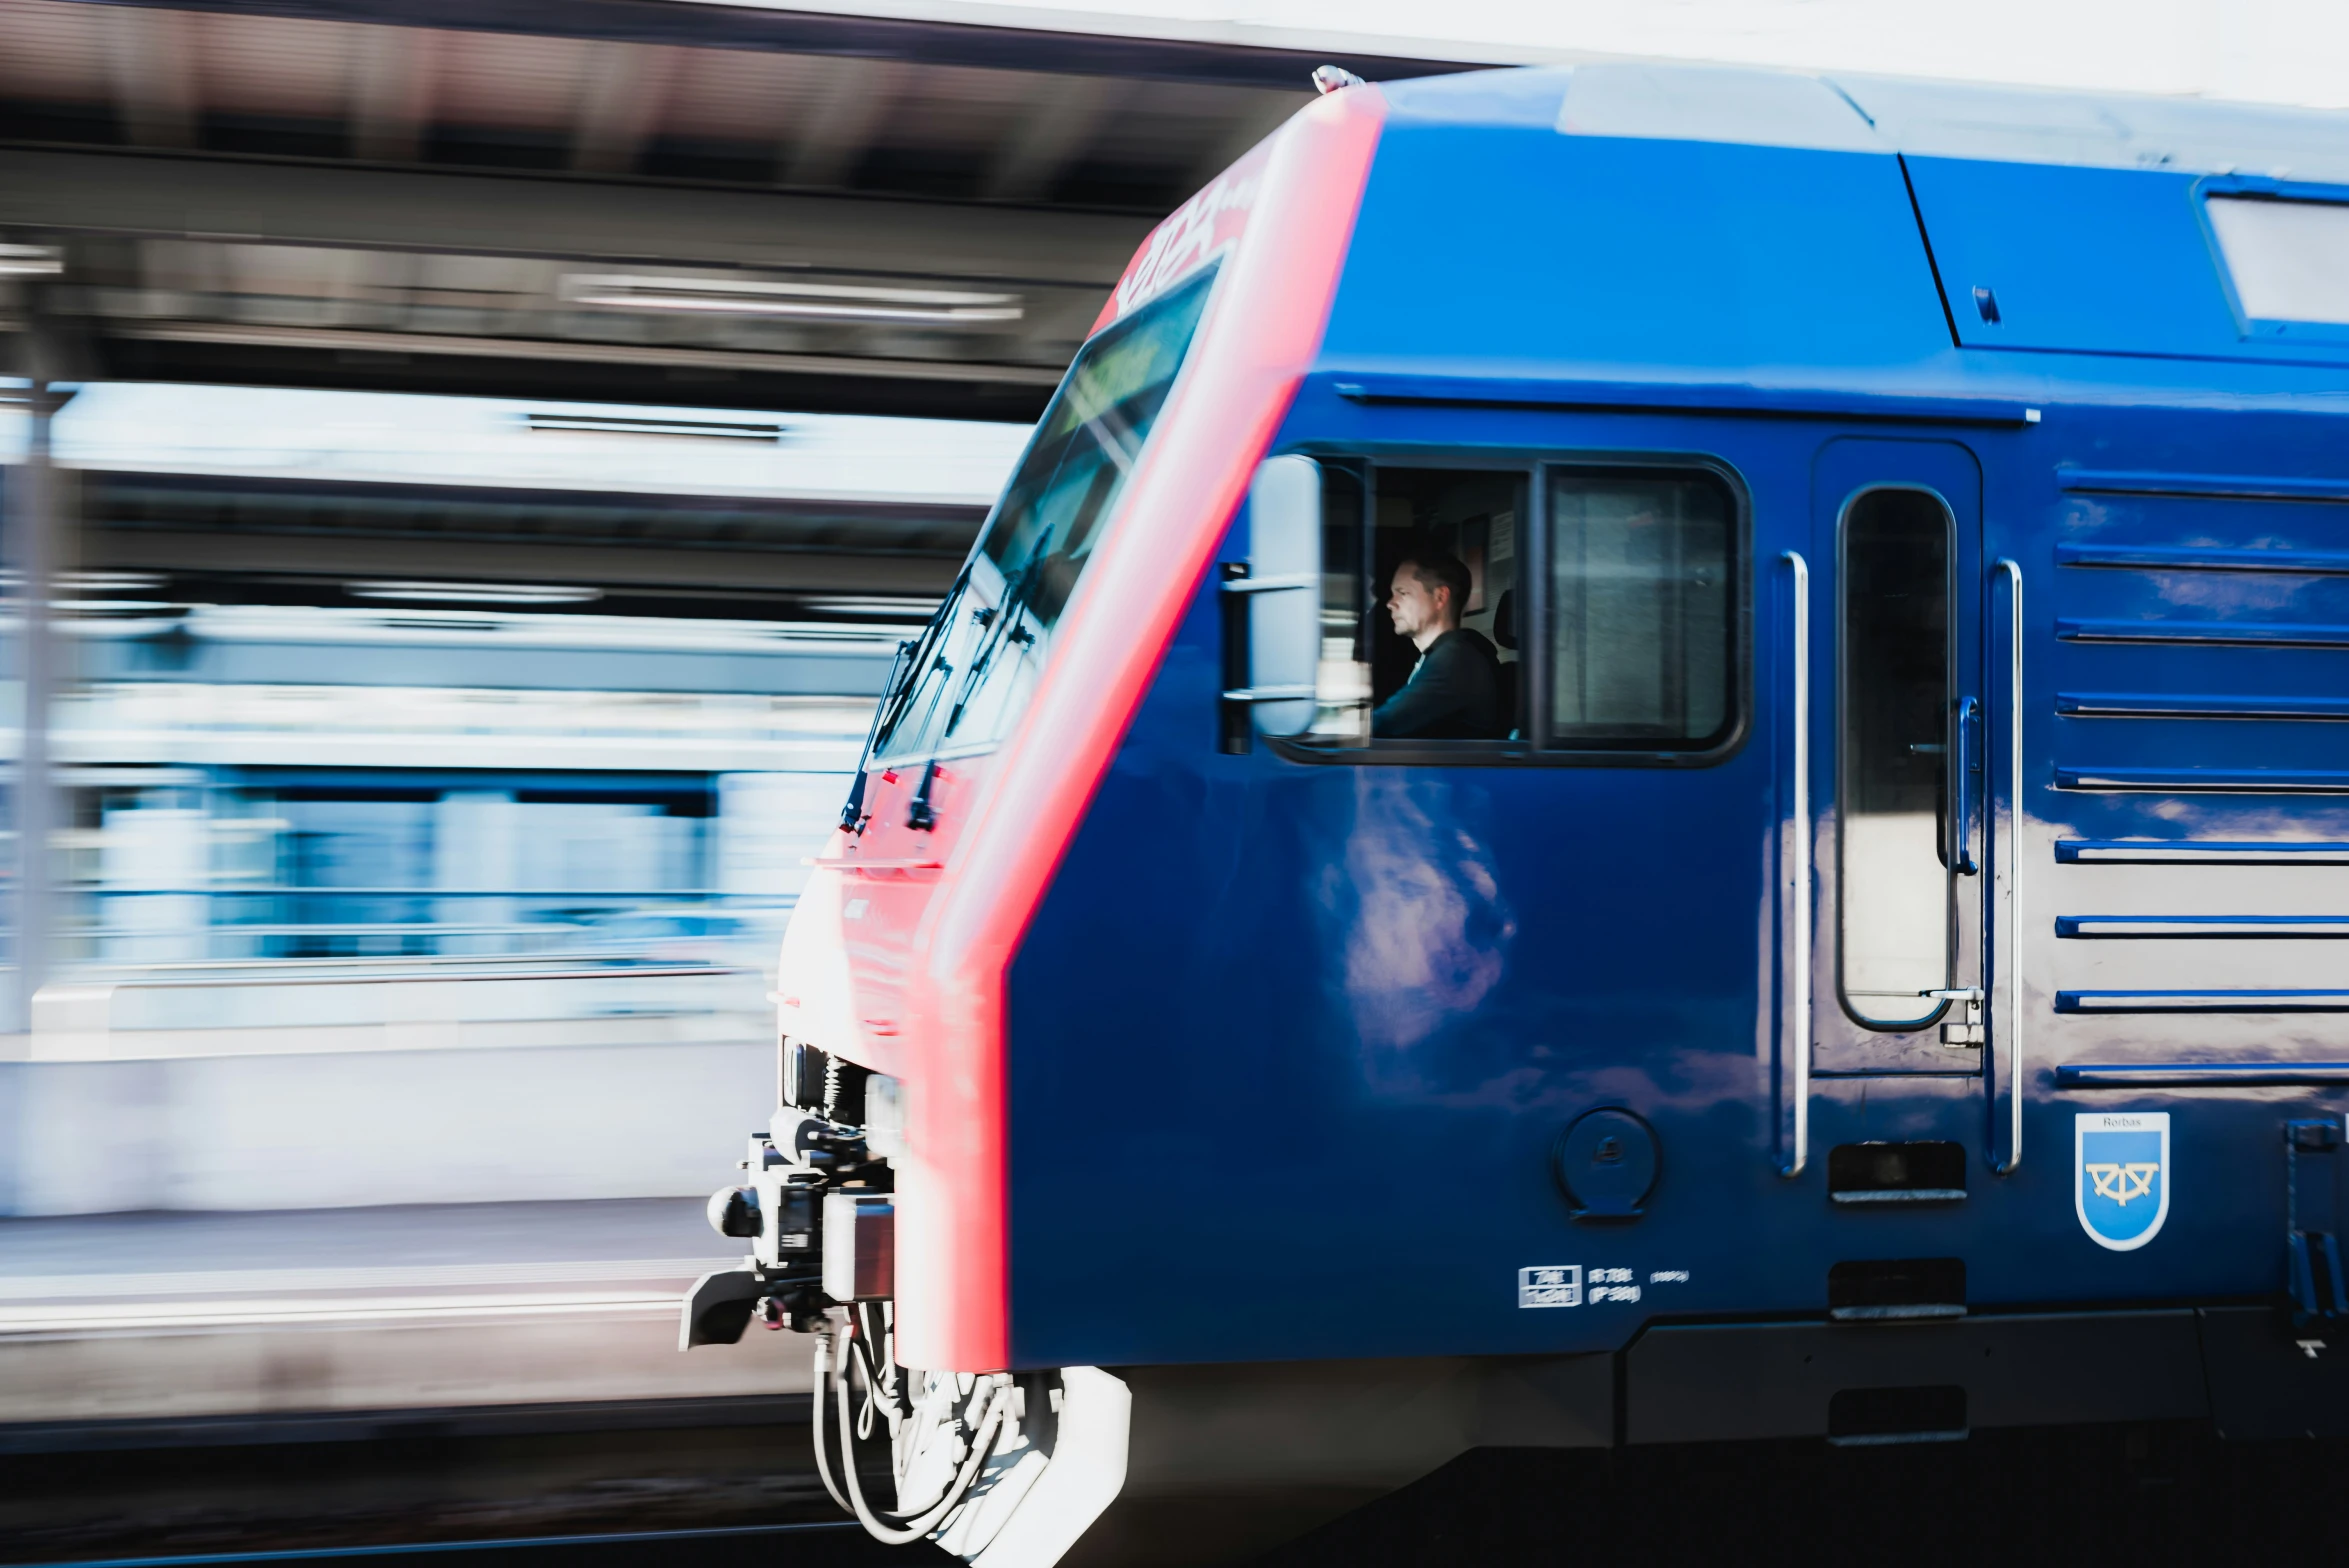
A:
(2012, 953)
(1962, 812)
(1798, 1053)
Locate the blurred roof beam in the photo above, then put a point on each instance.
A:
(261, 529)
(626, 88)
(387, 255)
(45, 191)
(152, 64)
(1048, 141)
(1244, 132)
(975, 37)
(391, 93)
(346, 341)
(840, 125)
(387, 193)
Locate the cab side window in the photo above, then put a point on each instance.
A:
(1461, 621)
(1641, 631)
(1419, 641)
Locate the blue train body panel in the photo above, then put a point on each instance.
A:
(1293, 1039)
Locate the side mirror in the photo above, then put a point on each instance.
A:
(1284, 595)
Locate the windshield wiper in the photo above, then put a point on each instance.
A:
(854, 810)
(898, 692)
(1004, 627)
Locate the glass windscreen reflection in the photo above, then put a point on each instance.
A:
(979, 659)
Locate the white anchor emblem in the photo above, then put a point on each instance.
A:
(2123, 1182)
(2121, 1176)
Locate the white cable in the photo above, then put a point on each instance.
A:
(982, 1444)
(823, 1375)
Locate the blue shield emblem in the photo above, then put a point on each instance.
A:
(2121, 1176)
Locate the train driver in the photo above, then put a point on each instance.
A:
(1454, 692)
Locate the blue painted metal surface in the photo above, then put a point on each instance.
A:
(1292, 1042)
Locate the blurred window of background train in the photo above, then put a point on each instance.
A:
(356, 680)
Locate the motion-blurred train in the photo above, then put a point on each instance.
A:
(1646, 754)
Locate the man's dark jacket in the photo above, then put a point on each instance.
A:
(1454, 694)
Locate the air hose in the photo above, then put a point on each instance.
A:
(891, 1528)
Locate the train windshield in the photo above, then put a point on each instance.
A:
(978, 661)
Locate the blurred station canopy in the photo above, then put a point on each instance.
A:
(644, 200)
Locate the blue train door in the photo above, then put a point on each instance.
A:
(1900, 905)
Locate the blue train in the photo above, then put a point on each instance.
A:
(1646, 754)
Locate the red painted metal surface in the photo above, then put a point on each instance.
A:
(901, 967)
(1201, 230)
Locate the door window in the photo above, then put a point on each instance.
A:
(1896, 729)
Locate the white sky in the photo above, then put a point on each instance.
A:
(2277, 51)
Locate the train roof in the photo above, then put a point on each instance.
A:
(1634, 224)
(1856, 113)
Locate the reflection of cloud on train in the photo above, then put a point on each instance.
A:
(1419, 915)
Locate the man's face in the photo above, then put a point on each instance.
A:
(1414, 606)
